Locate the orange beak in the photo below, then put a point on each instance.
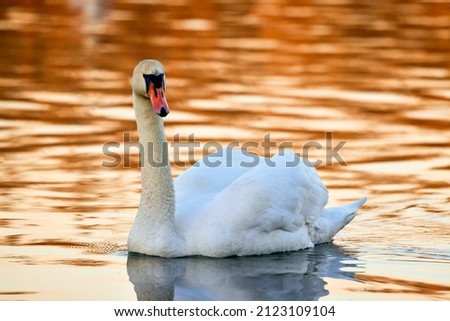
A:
(158, 99)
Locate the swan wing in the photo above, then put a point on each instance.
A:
(198, 185)
(214, 171)
(263, 210)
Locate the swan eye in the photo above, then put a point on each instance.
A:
(156, 80)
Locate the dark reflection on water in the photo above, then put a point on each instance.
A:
(280, 277)
(375, 73)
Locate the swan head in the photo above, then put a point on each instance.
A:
(149, 81)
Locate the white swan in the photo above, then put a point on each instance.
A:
(223, 210)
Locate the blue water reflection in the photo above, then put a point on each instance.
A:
(298, 276)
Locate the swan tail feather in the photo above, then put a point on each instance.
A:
(333, 220)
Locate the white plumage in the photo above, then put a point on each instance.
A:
(228, 208)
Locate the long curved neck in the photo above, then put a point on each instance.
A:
(158, 195)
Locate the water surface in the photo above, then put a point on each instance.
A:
(376, 75)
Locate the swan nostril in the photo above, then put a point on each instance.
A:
(163, 112)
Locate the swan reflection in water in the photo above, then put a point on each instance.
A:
(282, 276)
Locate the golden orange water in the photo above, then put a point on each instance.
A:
(375, 74)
